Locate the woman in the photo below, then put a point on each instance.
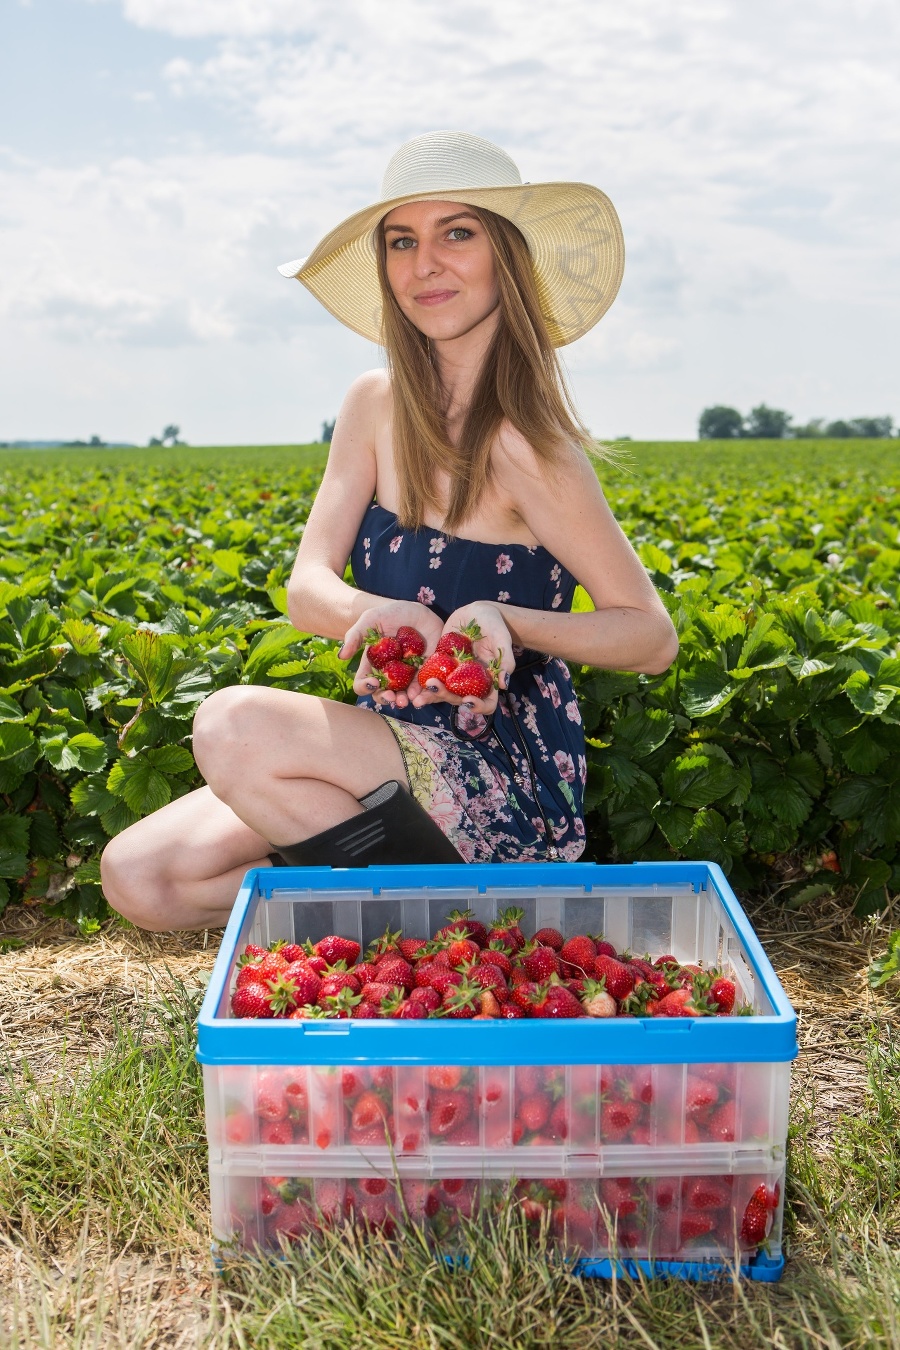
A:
(458, 485)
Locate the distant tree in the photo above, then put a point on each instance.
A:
(868, 426)
(154, 440)
(95, 440)
(720, 423)
(767, 424)
(328, 430)
(812, 430)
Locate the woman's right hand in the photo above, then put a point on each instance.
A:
(387, 618)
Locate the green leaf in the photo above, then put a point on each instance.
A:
(14, 737)
(706, 689)
(13, 845)
(91, 797)
(10, 710)
(866, 696)
(143, 788)
(228, 562)
(582, 602)
(884, 968)
(697, 779)
(285, 669)
(267, 647)
(630, 829)
(788, 802)
(191, 683)
(151, 660)
(83, 635)
(171, 759)
(644, 731)
(654, 559)
(676, 823)
(806, 771)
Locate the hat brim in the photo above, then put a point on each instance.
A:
(572, 231)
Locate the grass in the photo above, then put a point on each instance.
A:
(104, 1238)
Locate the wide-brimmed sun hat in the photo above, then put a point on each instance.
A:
(572, 231)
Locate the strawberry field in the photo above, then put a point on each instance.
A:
(133, 584)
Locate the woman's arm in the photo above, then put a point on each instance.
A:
(566, 511)
(318, 599)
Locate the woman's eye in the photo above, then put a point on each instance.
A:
(402, 242)
(461, 232)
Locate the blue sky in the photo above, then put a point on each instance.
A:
(159, 158)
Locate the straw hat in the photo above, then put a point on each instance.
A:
(572, 230)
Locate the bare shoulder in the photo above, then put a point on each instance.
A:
(520, 471)
(367, 394)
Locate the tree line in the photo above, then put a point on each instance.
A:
(763, 423)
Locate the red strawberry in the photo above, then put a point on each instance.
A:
(511, 1010)
(722, 1124)
(462, 918)
(333, 984)
(707, 1192)
(461, 1001)
(507, 930)
(605, 948)
(364, 1012)
(334, 949)
(579, 952)
(305, 981)
(409, 948)
(411, 642)
(238, 1126)
(276, 1132)
(429, 999)
(396, 675)
(490, 977)
(700, 1098)
(619, 980)
(382, 648)
(755, 1222)
(271, 1100)
(617, 1118)
(255, 952)
(444, 1076)
(493, 956)
(677, 1004)
(448, 1110)
(539, 963)
(488, 1005)
(695, 1225)
(549, 937)
(291, 951)
(377, 990)
(443, 979)
(368, 1111)
(722, 992)
(411, 1007)
(534, 1112)
(523, 994)
(248, 974)
(438, 666)
(462, 951)
(470, 679)
(254, 1000)
(394, 970)
(555, 1001)
(459, 640)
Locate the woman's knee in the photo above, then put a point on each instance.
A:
(133, 884)
(223, 724)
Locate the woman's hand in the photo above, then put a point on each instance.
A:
(387, 618)
(495, 644)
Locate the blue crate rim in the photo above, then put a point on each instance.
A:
(758, 1039)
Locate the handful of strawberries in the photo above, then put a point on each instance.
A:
(400, 657)
(469, 970)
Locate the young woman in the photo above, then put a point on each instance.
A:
(459, 488)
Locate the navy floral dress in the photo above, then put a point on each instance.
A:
(505, 789)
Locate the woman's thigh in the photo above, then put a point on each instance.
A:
(250, 732)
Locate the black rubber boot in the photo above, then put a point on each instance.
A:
(394, 828)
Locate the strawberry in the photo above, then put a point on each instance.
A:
(619, 981)
(488, 1005)
(700, 1097)
(411, 642)
(411, 1007)
(470, 679)
(291, 951)
(489, 977)
(695, 1225)
(552, 1000)
(596, 1001)
(276, 1132)
(511, 1010)
(492, 955)
(462, 918)
(722, 1124)
(409, 948)
(248, 974)
(438, 666)
(364, 972)
(364, 1011)
(461, 1001)
(255, 952)
(443, 979)
(677, 1004)
(722, 992)
(271, 1101)
(369, 1111)
(579, 952)
(427, 998)
(459, 640)
(252, 1001)
(394, 970)
(305, 981)
(238, 1126)
(396, 675)
(447, 1111)
(377, 991)
(707, 1192)
(534, 1112)
(549, 937)
(382, 648)
(507, 930)
(334, 949)
(523, 993)
(342, 1004)
(617, 1118)
(605, 948)
(386, 945)
(444, 1076)
(539, 963)
(462, 952)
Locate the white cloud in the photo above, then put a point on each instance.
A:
(749, 150)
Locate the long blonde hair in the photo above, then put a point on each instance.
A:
(520, 380)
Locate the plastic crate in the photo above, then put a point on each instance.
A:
(631, 1127)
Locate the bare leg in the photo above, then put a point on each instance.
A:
(280, 767)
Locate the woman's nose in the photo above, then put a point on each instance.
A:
(427, 262)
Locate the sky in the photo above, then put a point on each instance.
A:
(160, 158)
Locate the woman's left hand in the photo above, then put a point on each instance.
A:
(495, 644)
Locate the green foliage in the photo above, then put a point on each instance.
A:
(131, 588)
(884, 968)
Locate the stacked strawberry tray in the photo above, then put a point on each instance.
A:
(637, 1141)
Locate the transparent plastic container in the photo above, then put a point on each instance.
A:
(601, 1106)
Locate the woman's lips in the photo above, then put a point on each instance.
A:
(434, 297)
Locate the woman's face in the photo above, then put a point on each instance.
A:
(440, 267)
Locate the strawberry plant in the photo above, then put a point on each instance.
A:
(132, 586)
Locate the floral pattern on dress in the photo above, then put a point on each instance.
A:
(504, 563)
